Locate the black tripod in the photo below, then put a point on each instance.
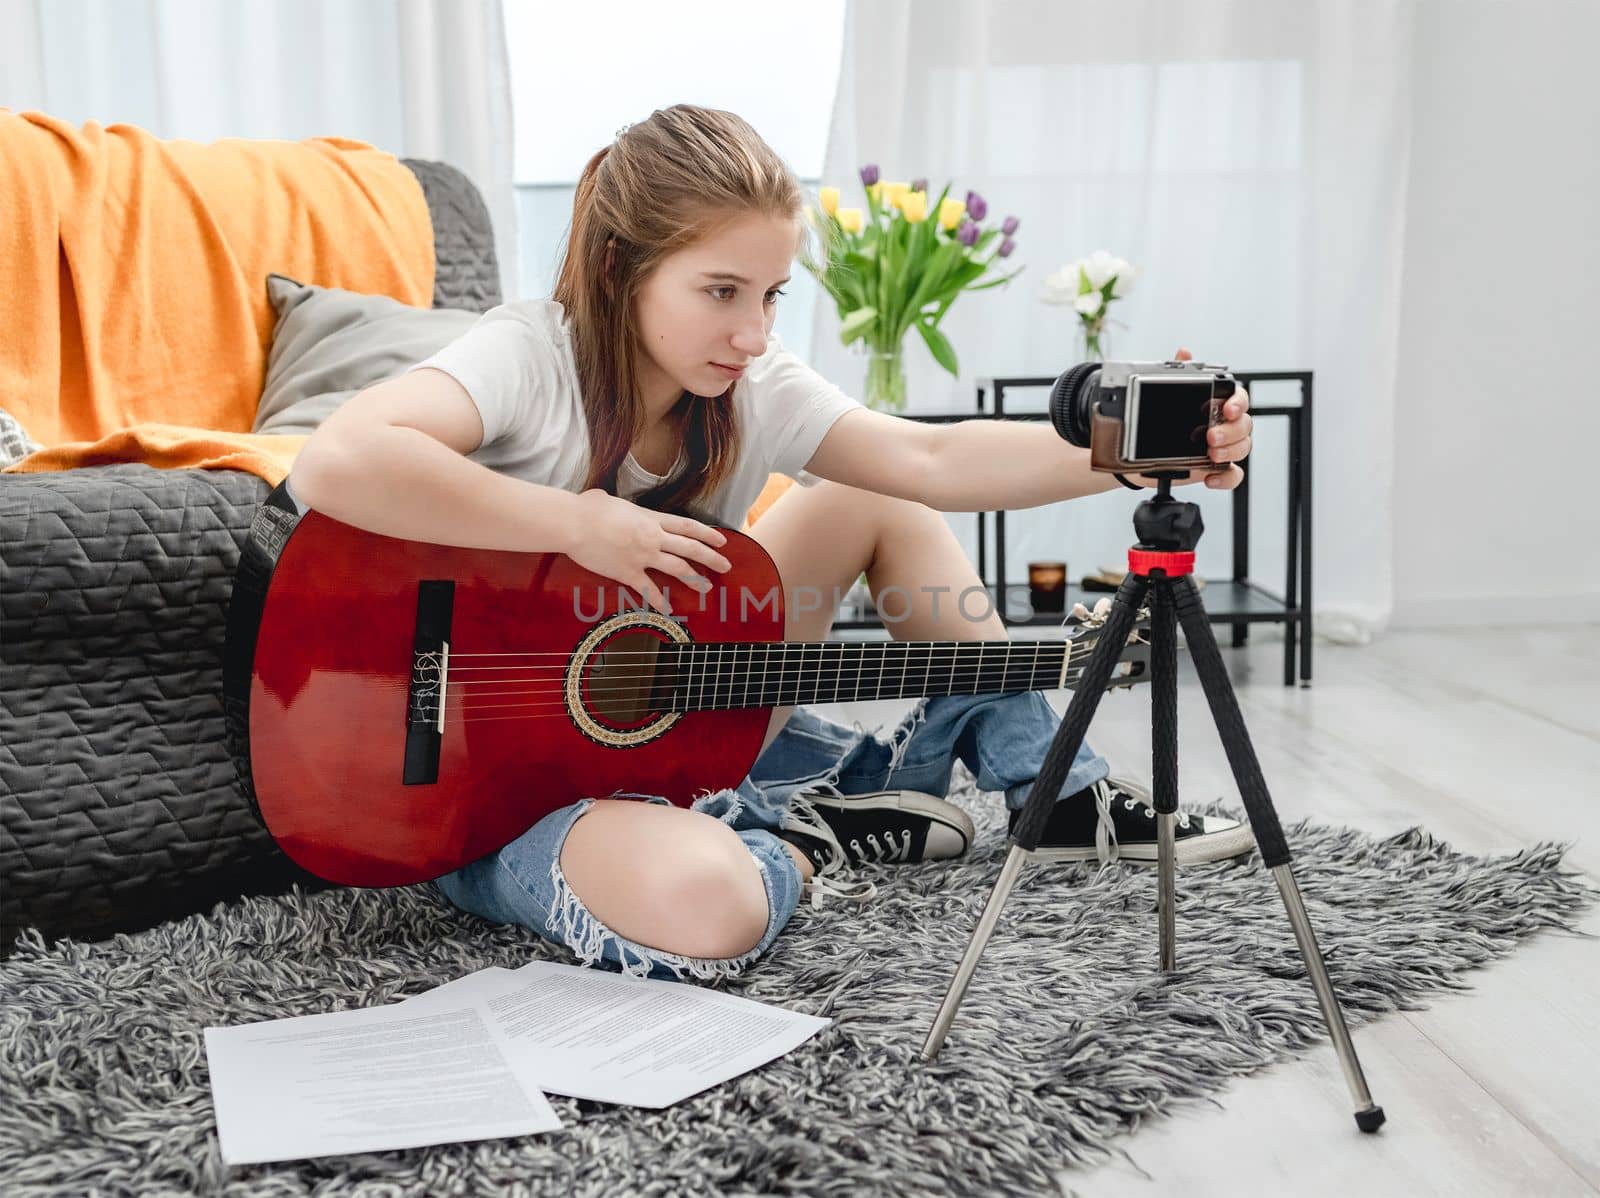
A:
(1160, 566)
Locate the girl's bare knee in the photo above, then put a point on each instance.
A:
(669, 878)
(721, 899)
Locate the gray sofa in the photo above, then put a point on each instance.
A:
(119, 805)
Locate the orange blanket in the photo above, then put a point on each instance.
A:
(777, 484)
(137, 323)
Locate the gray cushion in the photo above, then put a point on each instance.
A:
(330, 343)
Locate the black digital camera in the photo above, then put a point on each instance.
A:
(1141, 417)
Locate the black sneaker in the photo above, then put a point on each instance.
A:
(1115, 820)
(880, 827)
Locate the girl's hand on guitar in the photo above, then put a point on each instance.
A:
(621, 540)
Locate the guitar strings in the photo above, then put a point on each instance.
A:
(463, 714)
(731, 663)
(792, 651)
(713, 672)
(710, 684)
(1087, 637)
(718, 667)
(969, 647)
(559, 709)
(623, 681)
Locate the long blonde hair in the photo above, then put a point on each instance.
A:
(663, 184)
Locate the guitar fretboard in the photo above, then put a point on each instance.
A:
(708, 676)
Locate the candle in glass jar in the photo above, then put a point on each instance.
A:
(1047, 585)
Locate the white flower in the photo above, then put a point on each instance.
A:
(1098, 270)
(1127, 272)
(1099, 267)
(1062, 286)
(1089, 303)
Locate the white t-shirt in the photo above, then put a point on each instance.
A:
(517, 365)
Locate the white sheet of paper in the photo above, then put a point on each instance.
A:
(366, 1080)
(471, 1060)
(611, 1037)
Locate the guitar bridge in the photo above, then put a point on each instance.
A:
(430, 676)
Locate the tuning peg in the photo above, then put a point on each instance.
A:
(1095, 618)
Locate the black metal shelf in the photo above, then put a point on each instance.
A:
(1238, 601)
(1226, 601)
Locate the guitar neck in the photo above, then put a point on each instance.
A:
(710, 675)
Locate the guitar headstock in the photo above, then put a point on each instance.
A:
(1133, 663)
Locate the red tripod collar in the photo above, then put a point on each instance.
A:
(1175, 565)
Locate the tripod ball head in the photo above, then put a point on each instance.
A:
(1167, 524)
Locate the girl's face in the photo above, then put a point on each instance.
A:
(691, 321)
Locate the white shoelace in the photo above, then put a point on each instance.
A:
(817, 886)
(801, 815)
(1106, 847)
(889, 850)
(1146, 801)
(1150, 811)
(1105, 832)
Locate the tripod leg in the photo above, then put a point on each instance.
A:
(1164, 757)
(1269, 833)
(1053, 772)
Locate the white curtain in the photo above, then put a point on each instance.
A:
(1250, 156)
(418, 78)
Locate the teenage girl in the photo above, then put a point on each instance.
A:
(650, 385)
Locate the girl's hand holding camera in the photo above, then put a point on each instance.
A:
(1227, 443)
(621, 540)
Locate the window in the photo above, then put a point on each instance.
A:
(580, 73)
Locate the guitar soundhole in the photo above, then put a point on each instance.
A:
(623, 685)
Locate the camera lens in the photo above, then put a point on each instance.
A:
(1070, 401)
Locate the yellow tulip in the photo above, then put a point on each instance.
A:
(915, 206)
(830, 199)
(951, 212)
(893, 193)
(876, 192)
(850, 220)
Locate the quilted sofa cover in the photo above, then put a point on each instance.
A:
(119, 805)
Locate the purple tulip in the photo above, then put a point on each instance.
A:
(1010, 226)
(1006, 247)
(968, 233)
(869, 174)
(919, 185)
(977, 206)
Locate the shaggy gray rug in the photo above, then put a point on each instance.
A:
(1067, 1038)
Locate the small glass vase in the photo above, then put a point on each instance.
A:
(1094, 341)
(886, 379)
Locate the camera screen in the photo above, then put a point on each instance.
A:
(1169, 419)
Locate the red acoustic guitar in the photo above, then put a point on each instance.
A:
(397, 709)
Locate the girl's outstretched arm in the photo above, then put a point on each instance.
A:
(971, 466)
(989, 465)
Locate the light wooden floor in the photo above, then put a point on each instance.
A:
(1490, 740)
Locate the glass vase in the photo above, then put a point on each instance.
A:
(1093, 341)
(886, 379)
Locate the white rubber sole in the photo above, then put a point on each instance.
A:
(1196, 850)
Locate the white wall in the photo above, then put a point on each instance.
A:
(1497, 504)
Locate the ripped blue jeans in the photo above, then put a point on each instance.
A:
(1002, 739)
